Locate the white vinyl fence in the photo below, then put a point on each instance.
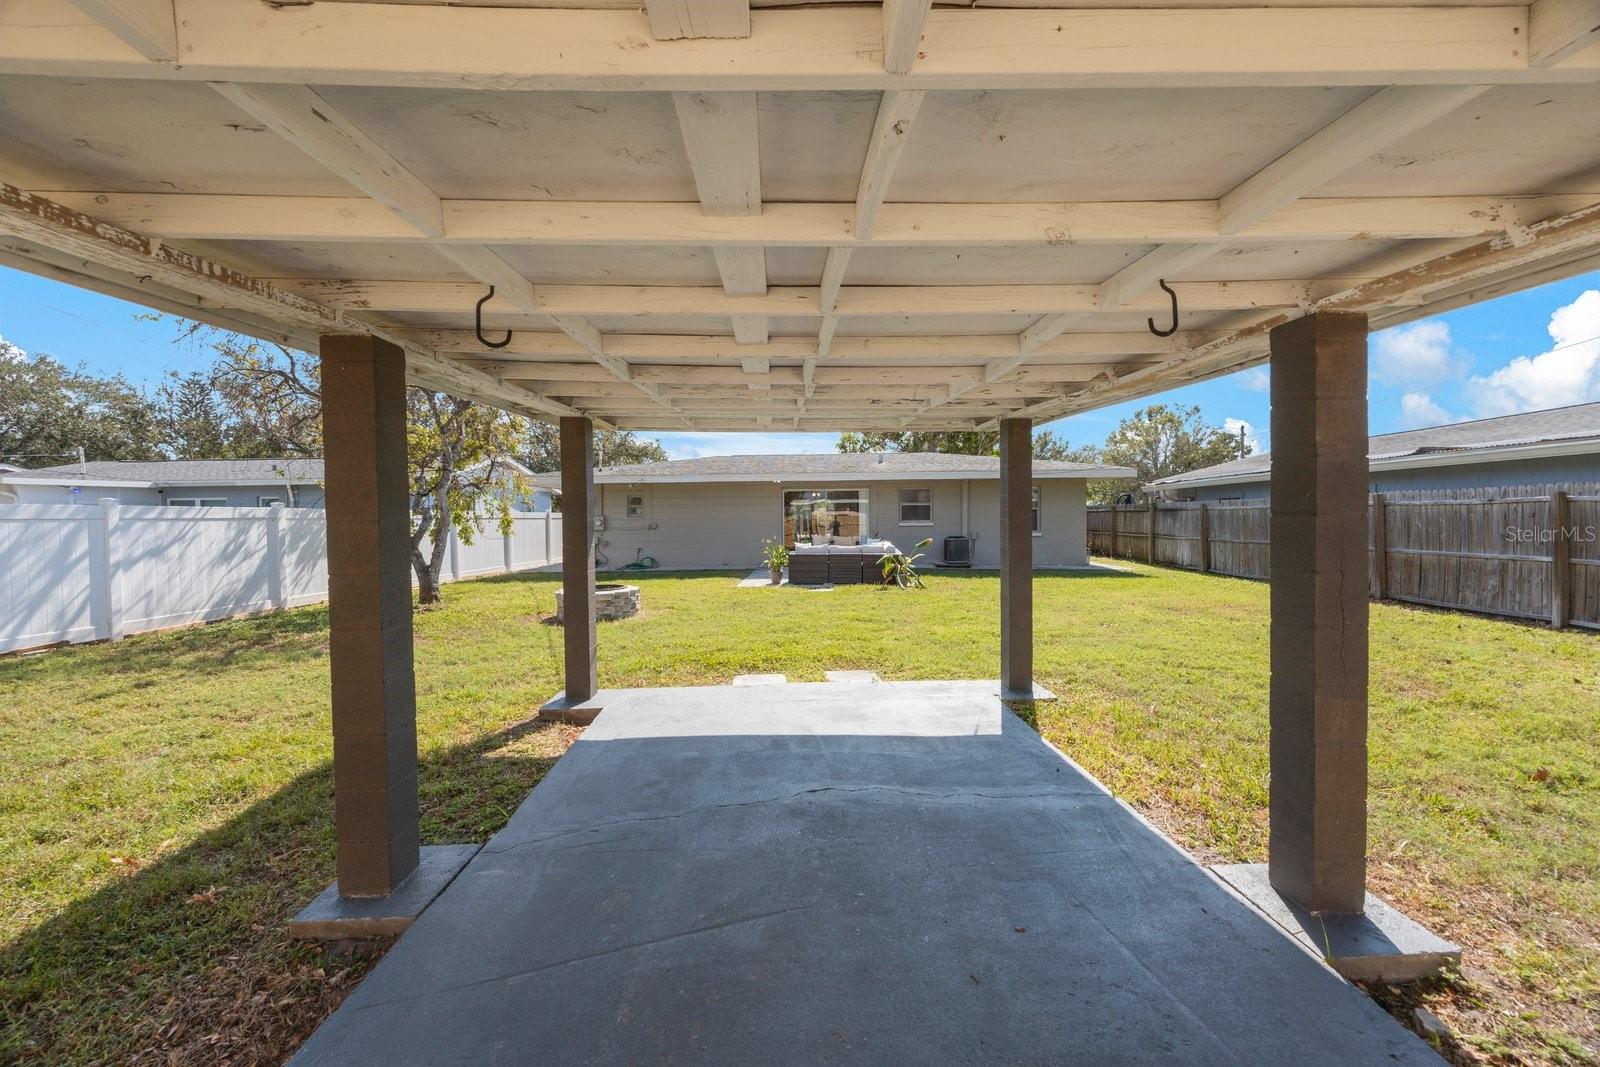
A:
(70, 572)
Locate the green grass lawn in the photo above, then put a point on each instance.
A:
(166, 802)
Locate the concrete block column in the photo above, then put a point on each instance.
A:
(577, 557)
(1016, 555)
(369, 613)
(1318, 796)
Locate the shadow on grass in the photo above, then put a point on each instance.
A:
(185, 960)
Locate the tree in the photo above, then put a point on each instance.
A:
(459, 476)
(541, 452)
(456, 451)
(48, 411)
(1159, 441)
(1046, 445)
(274, 394)
(191, 418)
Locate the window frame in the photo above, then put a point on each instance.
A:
(903, 503)
(1038, 511)
(643, 496)
(197, 502)
(268, 501)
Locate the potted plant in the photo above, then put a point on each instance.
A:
(777, 557)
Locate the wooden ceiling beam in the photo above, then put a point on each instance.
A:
(150, 27)
(82, 236)
(1558, 29)
(921, 348)
(723, 141)
(643, 301)
(816, 48)
(1568, 239)
(673, 20)
(236, 217)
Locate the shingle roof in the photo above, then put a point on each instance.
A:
(185, 471)
(1575, 423)
(863, 466)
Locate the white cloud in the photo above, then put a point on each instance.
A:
(1251, 436)
(1417, 410)
(10, 353)
(1419, 354)
(695, 445)
(1567, 373)
(1257, 379)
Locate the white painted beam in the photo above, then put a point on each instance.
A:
(298, 115)
(672, 20)
(817, 48)
(201, 216)
(1358, 134)
(149, 26)
(94, 240)
(903, 21)
(723, 143)
(644, 301)
(896, 112)
(1560, 29)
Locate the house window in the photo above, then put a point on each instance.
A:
(636, 506)
(268, 501)
(824, 516)
(198, 502)
(916, 507)
(1037, 525)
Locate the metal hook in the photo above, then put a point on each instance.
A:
(477, 323)
(1152, 322)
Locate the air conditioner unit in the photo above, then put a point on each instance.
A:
(957, 551)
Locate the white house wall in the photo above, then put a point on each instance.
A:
(722, 524)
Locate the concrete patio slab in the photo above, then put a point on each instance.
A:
(1382, 945)
(897, 872)
(331, 917)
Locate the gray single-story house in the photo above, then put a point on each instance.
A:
(715, 512)
(223, 483)
(1534, 448)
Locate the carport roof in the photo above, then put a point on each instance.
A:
(847, 466)
(812, 217)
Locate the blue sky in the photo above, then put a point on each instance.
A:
(1535, 349)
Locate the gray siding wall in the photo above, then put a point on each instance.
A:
(722, 524)
(1460, 476)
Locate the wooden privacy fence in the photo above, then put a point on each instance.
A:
(1527, 552)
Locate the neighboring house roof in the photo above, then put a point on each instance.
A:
(836, 467)
(1573, 430)
(159, 473)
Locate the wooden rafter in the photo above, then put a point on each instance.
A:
(234, 217)
(818, 48)
(643, 301)
(76, 234)
(1571, 237)
(1558, 29)
(672, 20)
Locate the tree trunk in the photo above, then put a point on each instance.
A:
(427, 579)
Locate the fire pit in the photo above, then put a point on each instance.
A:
(612, 600)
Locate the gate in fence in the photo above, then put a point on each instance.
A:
(1527, 552)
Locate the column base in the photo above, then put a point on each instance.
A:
(1035, 692)
(579, 712)
(1381, 945)
(331, 917)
